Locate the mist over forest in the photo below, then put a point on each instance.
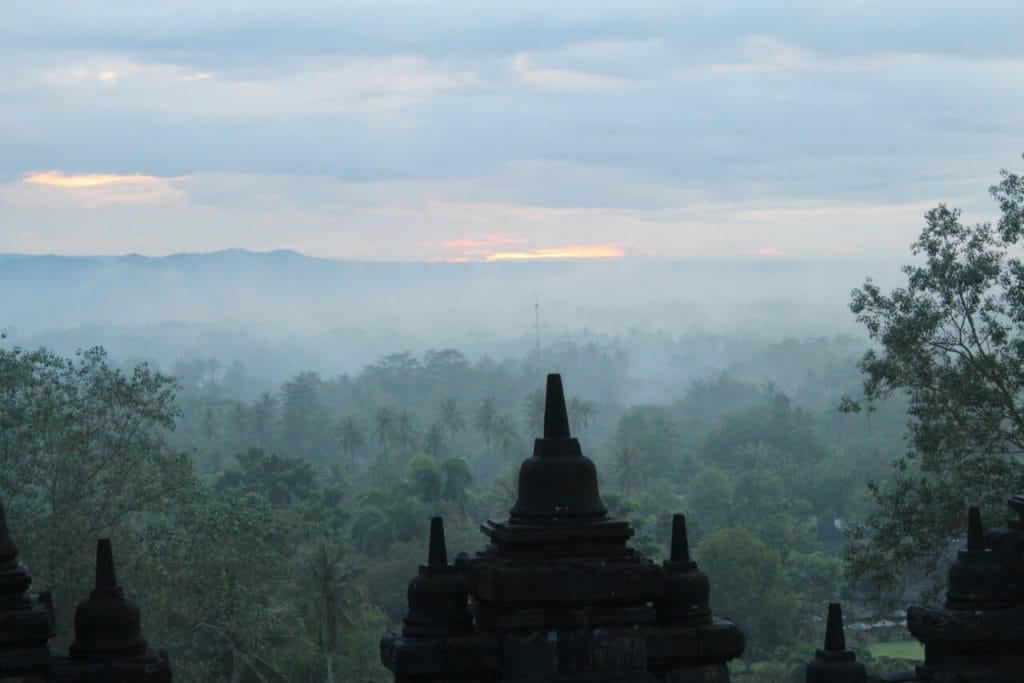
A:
(281, 313)
(310, 415)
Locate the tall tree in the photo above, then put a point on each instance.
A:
(384, 426)
(750, 586)
(434, 441)
(450, 417)
(951, 340)
(484, 419)
(627, 468)
(581, 412)
(504, 434)
(263, 414)
(304, 420)
(350, 435)
(333, 597)
(406, 430)
(533, 411)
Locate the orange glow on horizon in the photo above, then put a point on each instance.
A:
(60, 179)
(586, 251)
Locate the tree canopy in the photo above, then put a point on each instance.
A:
(951, 341)
(82, 448)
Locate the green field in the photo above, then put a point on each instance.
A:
(900, 649)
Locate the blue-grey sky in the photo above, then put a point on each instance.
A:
(480, 130)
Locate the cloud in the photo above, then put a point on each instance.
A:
(570, 252)
(92, 190)
(396, 129)
(552, 77)
(60, 179)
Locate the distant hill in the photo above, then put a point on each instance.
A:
(72, 301)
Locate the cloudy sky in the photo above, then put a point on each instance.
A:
(474, 130)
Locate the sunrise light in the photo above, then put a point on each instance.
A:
(586, 251)
(60, 179)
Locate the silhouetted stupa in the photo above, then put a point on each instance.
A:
(558, 594)
(108, 645)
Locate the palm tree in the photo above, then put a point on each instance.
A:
(627, 465)
(581, 412)
(585, 411)
(332, 597)
(503, 432)
(483, 420)
(450, 417)
(384, 427)
(406, 430)
(239, 418)
(533, 409)
(434, 441)
(263, 417)
(350, 435)
(457, 479)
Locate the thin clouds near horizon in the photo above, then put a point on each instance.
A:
(393, 130)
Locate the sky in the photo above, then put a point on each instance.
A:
(467, 130)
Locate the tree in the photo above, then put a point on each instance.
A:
(304, 421)
(450, 416)
(282, 481)
(749, 586)
(384, 427)
(82, 449)
(406, 431)
(434, 441)
(263, 412)
(426, 478)
(333, 599)
(952, 342)
(651, 432)
(533, 411)
(581, 413)
(457, 479)
(627, 467)
(350, 435)
(485, 418)
(504, 434)
(212, 593)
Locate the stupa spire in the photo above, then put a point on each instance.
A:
(834, 663)
(106, 574)
(680, 544)
(556, 417)
(437, 555)
(835, 634)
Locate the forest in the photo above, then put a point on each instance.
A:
(269, 531)
(270, 535)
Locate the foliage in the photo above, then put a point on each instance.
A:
(749, 586)
(279, 480)
(209, 591)
(82, 450)
(952, 342)
(298, 548)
